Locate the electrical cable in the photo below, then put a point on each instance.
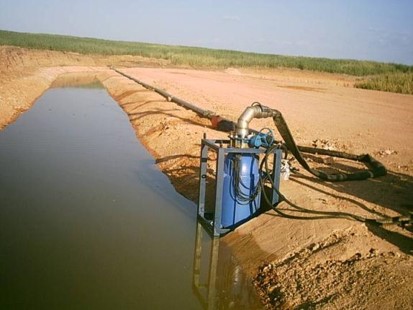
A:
(240, 187)
(265, 174)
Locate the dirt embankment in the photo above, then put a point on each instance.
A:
(322, 263)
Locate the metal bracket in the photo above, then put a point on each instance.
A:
(212, 220)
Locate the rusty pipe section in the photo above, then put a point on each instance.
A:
(254, 111)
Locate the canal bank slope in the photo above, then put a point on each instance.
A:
(323, 263)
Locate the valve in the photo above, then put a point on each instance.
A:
(262, 139)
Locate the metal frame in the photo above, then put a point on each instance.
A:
(222, 148)
(206, 292)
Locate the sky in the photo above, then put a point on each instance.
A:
(351, 29)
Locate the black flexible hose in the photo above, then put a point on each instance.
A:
(376, 169)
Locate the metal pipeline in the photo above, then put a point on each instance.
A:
(169, 97)
(259, 111)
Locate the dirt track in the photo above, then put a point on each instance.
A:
(328, 263)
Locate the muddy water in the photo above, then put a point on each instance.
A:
(88, 222)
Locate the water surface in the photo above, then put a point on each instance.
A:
(86, 218)
(87, 221)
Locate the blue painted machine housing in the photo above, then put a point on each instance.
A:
(241, 189)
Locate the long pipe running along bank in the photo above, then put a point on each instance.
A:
(376, 169)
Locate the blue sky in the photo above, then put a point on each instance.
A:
(357, 29)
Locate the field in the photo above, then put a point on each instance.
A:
(375, 75)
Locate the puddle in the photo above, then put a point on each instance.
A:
(88, 221)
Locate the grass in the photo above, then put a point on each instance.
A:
(394, 82)
(213, 58)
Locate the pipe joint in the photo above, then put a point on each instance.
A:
(254, 111)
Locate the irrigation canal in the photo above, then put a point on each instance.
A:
(87, 221)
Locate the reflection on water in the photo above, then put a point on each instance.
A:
(218, 280)
(88, 221)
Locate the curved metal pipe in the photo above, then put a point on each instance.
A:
(254, 111)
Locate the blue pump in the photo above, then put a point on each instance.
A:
(238, 179)
(237, 186)
(241, 193)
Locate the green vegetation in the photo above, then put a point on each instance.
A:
(395, 82)
(389, 75)
(195, 56)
